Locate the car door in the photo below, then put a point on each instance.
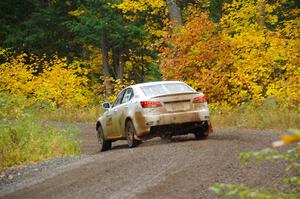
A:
(110, 128)
(120, 113)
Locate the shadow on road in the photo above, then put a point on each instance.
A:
(119, 145)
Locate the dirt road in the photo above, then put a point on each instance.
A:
(185, 168)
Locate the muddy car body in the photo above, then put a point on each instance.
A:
(146, 110)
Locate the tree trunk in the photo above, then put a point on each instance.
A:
(115, 59)
(215, 10)
(174, 13)
(105, 58)
(143, 68)
(118, 63)
(262, 13)
(121, 66)
(105, 63)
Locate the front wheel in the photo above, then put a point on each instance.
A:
(104, 144)
(130, 132)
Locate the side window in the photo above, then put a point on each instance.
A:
(128, 95)
(119, 99)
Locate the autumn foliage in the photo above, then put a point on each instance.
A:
(237, 61)
(198, 55)
(53, 81)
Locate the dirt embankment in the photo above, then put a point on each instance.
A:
(184, 168)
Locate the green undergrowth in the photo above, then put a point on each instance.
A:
(288, 187)
(25, 138)
(266, 116)
(71, 115)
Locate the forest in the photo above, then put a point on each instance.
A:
(75, 53)
(61, 59)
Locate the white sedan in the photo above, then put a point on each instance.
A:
(147, 110)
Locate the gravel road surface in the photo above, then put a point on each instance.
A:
(184, 168)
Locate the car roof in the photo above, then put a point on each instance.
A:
(155, 83)
(137, 87)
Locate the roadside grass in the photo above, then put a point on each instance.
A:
(25, 138)
(266, 116)
(83, 115)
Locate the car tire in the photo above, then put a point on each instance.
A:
(201, 134)
(104, 144)
(167, 137)
(130, 132)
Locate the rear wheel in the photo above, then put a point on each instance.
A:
(201, 135)
(104, 144)
(130, 132)
(166, 136)
(202, 132)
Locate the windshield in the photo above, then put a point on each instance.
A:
(164, 89)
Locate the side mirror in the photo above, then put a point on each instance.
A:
(106, 105)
